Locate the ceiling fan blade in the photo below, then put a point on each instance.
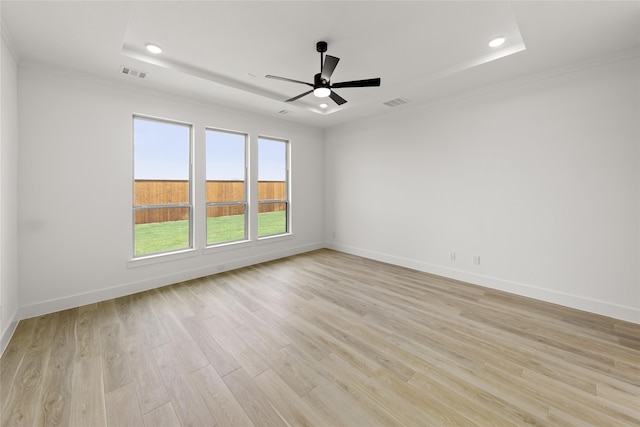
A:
(358, 83)
(299, 96)
(287, 80)
(337, 98)
(330, 63)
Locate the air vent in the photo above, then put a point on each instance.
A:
(396, 102)
(133, 73)
(283, 112)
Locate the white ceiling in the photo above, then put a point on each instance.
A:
(220, 52)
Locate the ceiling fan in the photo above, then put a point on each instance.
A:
(322, 86)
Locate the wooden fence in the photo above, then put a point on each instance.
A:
(161, 192)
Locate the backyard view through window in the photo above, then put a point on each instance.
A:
(162, 208)
(163, 188)
(226, 187)
(273, 202)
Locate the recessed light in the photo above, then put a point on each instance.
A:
(323, 105)
(153, 48)
(498, 41)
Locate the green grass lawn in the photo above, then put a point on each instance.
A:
(270, 223)
(174, 235)
(161, 237)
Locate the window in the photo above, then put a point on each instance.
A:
(273, 187)
(164, 191)
(162, 210)
(226, 186)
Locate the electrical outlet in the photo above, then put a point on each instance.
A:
(452, 256)
(476, 260)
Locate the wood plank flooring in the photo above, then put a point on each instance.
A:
(321, 339)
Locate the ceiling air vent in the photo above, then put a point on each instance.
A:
(133, 73)
(396, 102)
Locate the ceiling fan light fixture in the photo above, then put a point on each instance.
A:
(322, 92)
(497, 41)
(153, 48)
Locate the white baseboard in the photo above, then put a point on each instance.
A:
(78, 300)
(628, 314)
(8, 331)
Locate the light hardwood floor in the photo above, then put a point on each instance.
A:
(322, 339)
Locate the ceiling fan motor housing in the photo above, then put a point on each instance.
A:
(318, 81)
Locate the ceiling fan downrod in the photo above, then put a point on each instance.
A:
(322, 48)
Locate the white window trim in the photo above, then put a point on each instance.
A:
(247, 238)
(178, 252)
(289, 231)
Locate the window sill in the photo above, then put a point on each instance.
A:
(158, 258)
(274, 239)
(189, 253)
(224, 247)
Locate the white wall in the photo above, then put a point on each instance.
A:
(539, 178)
(8, 195)
(75, 174)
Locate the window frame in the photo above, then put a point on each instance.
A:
(287, 191)
(244, 203)
(190, 191)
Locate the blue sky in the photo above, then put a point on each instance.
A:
(225, 155)
(161, 151)
(272, 160)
